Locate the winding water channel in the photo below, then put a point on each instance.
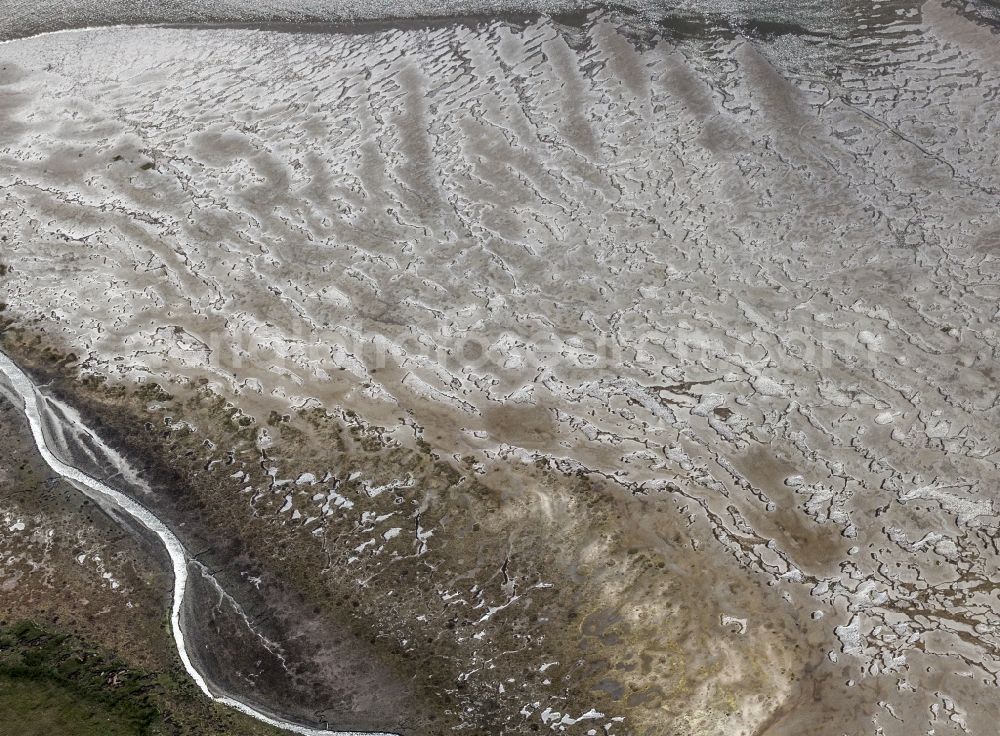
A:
(28, 398)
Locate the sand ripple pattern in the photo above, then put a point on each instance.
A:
(762, 276)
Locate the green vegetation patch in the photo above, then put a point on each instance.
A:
(55, 683)
(39, 708)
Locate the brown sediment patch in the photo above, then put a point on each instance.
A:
(817, 547)
(531, 427)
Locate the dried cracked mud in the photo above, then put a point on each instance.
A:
(605, 374)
